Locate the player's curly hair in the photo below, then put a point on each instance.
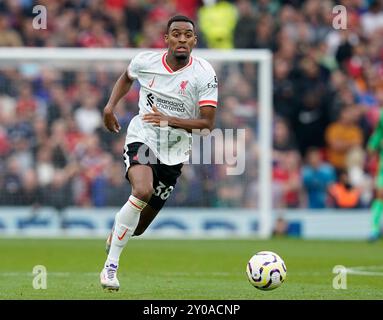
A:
(179, 18)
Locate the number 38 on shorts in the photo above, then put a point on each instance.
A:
(163, 191)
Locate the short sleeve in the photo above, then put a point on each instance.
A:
(134, 67)
(208, 92)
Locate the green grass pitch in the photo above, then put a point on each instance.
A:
(188, 269)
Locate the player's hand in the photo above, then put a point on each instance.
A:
(110, 120)
(156, 118)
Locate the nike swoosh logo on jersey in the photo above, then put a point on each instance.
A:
(152, 82)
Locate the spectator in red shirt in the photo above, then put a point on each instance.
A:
(287, 173)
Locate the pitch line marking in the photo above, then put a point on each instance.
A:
(364, 271)
(58, 274)
(67, 274)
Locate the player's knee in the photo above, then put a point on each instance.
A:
(379, 194)
(143, 193)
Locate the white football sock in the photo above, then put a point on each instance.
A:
(125, 223)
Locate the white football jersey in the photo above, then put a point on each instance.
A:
(178, 93)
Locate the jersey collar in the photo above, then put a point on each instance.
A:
(167, 67)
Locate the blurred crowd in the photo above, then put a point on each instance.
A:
(327, 94)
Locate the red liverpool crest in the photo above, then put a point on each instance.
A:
(183, 87)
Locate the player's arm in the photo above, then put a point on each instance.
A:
(206, 120)
(120, 88)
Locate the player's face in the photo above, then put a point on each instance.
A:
(181, 39)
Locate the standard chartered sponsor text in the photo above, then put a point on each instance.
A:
(170, 105)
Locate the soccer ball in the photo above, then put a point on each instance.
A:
(266, 270)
